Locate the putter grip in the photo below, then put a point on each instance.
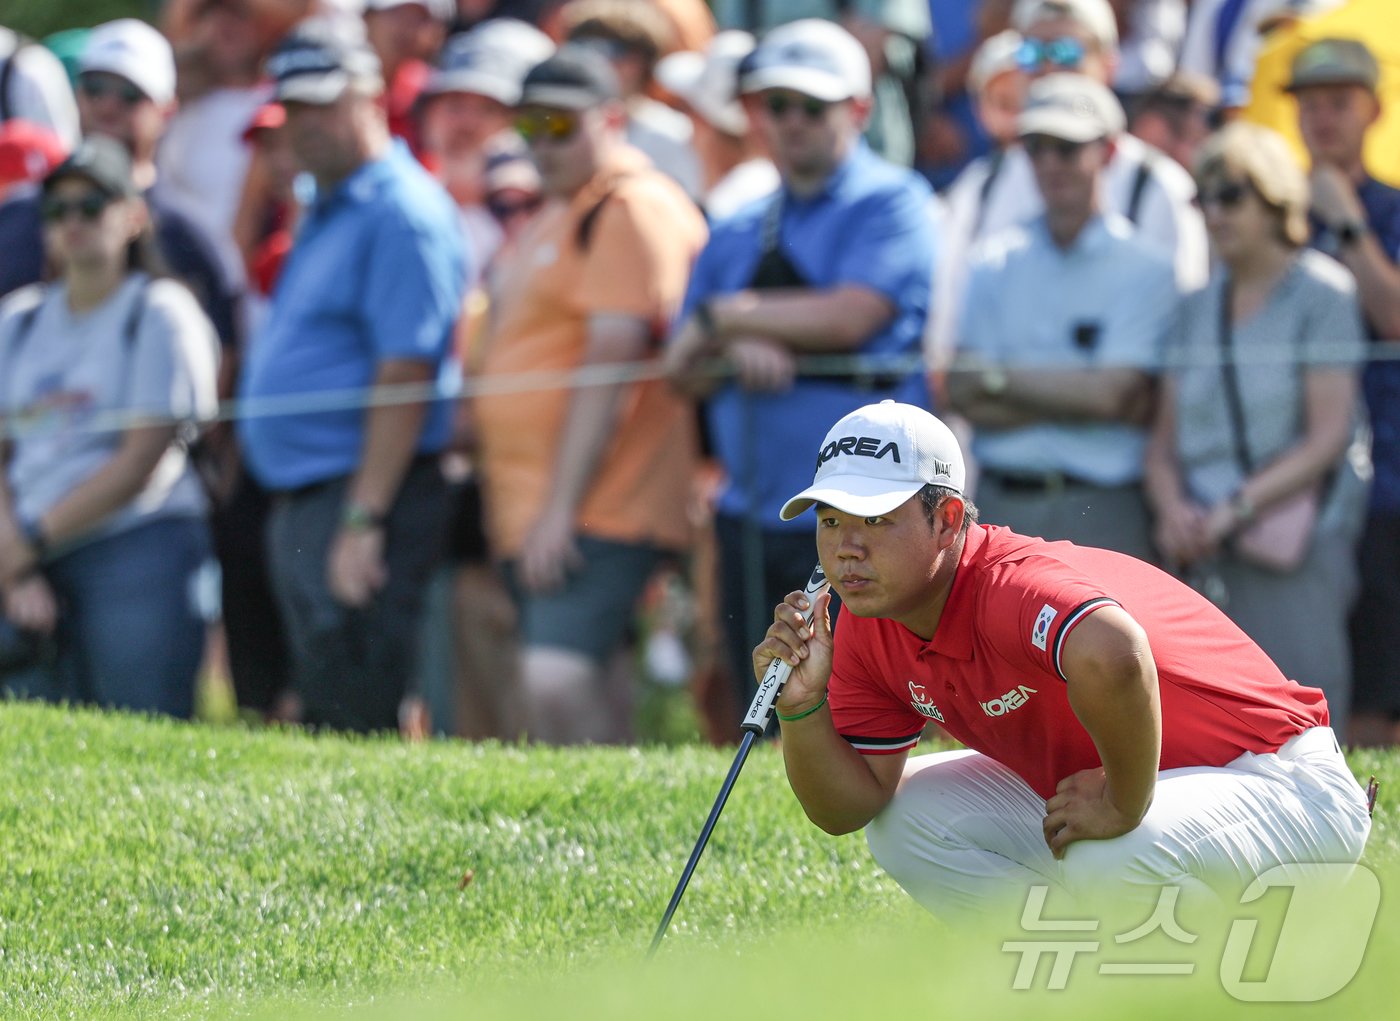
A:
(761, 708)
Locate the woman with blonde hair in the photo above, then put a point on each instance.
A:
(1256, 499)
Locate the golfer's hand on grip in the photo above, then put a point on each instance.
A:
(807, 649)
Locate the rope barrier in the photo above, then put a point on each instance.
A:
(621, 373)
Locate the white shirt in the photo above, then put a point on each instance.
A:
(70, 368)
(202, 162)
(748, 182)
(1166, 220)
(664, 135)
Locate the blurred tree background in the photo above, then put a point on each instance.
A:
(37, 18)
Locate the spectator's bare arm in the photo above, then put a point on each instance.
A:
(588, 429)
(838, 319)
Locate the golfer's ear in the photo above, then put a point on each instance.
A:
(950, 515)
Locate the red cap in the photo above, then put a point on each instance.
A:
(28, 151)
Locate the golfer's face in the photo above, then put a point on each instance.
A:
(880, 566)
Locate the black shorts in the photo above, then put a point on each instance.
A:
(1375, 622)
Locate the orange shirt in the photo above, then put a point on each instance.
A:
(640, 249)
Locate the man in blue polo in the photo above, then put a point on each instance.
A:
(368, 298)
(837, 262)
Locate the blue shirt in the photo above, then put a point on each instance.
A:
(377, 273)
(1105, 302)
(1381, 379)
(870, 226)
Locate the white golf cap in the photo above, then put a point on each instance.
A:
(995, 57)
(879, 456)
(137, 52)
(1095, 15)
(491, 60)
(442, 10)
(709, 82)
(814, 57)
(1073, 107)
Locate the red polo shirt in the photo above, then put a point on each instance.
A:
(991, 675)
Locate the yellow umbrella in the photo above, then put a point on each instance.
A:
(1374, 22)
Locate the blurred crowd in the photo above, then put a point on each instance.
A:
(448, 361)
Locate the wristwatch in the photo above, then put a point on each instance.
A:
(1242, 507)
(1349, 232)
(34, 537)
(705, 319)
(358, 518)
(993, 381)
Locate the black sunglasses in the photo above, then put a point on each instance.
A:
(1039, 145)
(1226, 196)
(96, 88)
(89, 207)
(779, 104)
(503, 210)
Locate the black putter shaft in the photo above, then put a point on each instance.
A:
(755, 723)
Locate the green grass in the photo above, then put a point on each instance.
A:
(159, 870)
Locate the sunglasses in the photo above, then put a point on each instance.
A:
(1040, 145)
(778, 105)
(1065, 52)
(555, 125)
(1227, 196)
(96, 88)
(89, 207)
(504, 210)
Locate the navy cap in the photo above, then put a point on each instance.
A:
(320, 58)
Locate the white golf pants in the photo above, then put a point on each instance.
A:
(963, 833)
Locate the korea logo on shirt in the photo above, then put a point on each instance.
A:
(918, 698)
(1041, 632)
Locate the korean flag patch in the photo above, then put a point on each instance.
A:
(1041, 632)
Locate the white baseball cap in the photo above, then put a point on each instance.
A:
(995, 57)
(814, 57)
(490, 60)
(442, 10)
(709, 82)
(1073, 107)
(1095, 15)
(137, 52)
(879, 456)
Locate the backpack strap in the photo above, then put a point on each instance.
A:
(583, 236)
(131, 331)
(1140, 179)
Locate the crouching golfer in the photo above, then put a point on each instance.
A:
(1122, 734)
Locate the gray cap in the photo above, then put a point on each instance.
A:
(320, 58)
(104, 162)
(1334, 62)
(577, 77)
(1073, 107)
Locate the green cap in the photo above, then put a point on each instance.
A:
(1334, 62)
